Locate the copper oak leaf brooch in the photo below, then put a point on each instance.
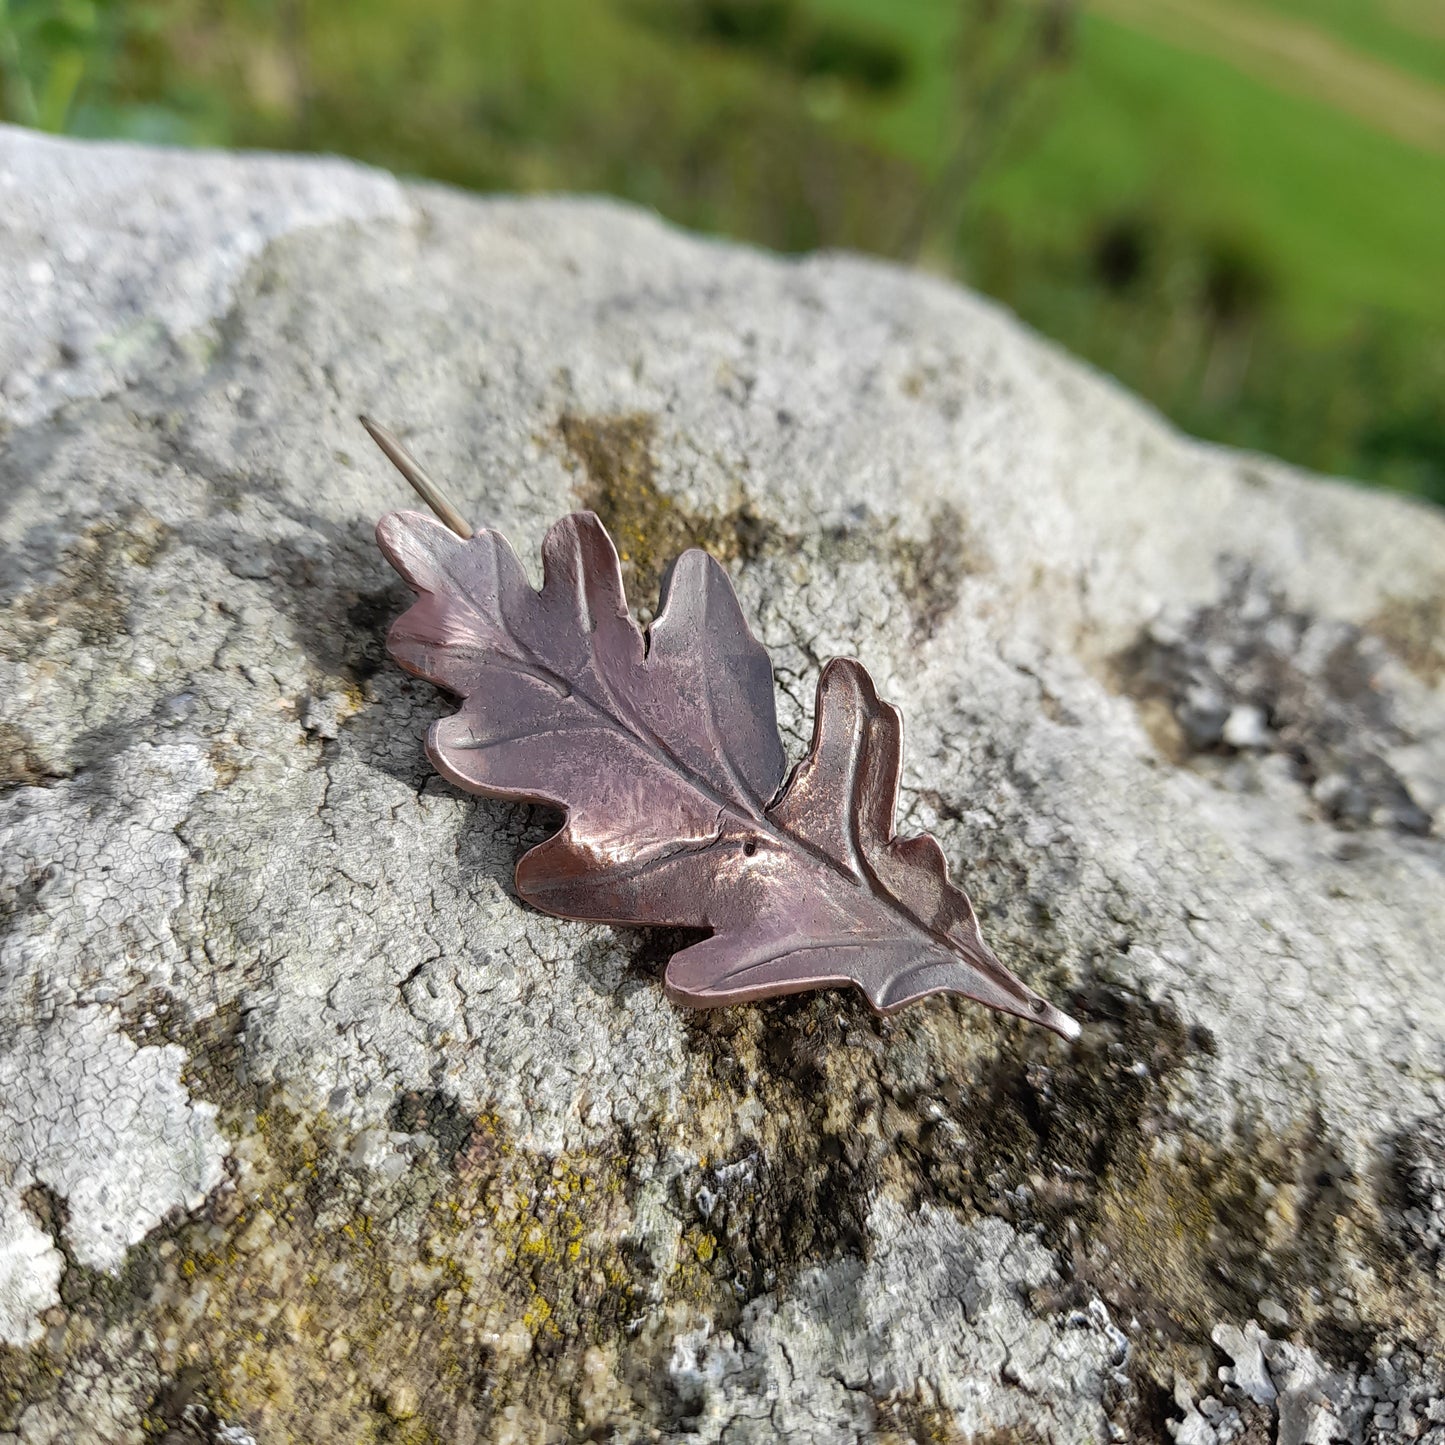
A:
(662, 749)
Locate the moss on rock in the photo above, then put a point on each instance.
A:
(649, 527)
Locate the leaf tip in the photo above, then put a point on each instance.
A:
(1067, 1027)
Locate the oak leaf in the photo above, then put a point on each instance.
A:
(662, 749)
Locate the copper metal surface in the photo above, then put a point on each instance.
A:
(662, 749)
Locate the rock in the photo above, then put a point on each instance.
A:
(308, 1129)
(1246, 727)
(1248, 1374)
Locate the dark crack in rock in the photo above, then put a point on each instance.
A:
(1420, 1162)
(1248, 676)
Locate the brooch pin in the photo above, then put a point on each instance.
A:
(662, 749)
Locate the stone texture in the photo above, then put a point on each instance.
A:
(308, 1129)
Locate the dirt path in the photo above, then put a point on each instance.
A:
(1423, 17)
(1294, 56)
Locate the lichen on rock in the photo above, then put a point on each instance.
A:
(309, 1129)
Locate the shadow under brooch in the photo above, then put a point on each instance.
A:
(662, 749)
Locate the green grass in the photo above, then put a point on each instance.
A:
(1263, 265)
(1338, 227)
(1343, 217)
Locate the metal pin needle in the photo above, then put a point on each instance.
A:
(417, 475)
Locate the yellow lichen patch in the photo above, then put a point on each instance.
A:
(803, 1115)
(316, 1300)
(1164, 1233)
(695, 1278)
(490, 1287)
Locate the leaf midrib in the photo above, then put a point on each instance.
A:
(627, 720)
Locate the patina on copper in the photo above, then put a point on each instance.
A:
(662, 749)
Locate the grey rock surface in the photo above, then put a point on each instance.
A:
(310, 1130)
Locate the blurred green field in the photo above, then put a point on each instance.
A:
(1236, 206)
